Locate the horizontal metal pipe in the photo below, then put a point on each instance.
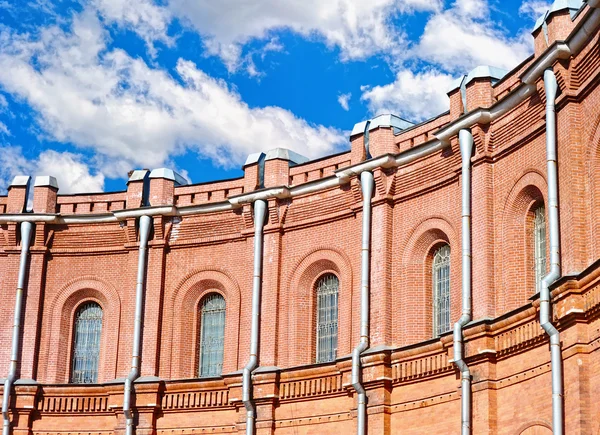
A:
(385, 161)
(26, 233)
(160, 210)
(558, 51)
(134, 373)
(586, 30)
(485, 116)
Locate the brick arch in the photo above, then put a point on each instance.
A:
(415, 322)
(60, 320)
(516, 241)
(592, 162)
(535, 428)
(301, 303)
(184, 330)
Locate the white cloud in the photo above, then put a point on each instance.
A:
(472, 8)
(358, 29)
(137, 116)
(455, 40)
(4, 129)
(72, 174)
(144, 17)
(12, 163)
(71, 171)
(464, 36)
(414, 96)
(344, 99)
(534, 8)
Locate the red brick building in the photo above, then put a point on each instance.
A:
(82, 265)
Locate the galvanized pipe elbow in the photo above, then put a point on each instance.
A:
(466, 150)
(260, 217)
(551, 88)
(367, 183)
(145, 226)
(26, 233)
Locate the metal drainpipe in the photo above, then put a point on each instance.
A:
(260, 210)
(367, 183)
(551, 87)
(134, 373)
(466, 149)
(26, 228)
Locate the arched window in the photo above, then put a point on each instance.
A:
(86, 344)
(441, 290)
(327, 318)
(212, 335)
(539, 244)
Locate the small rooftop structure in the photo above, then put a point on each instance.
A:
(559, 5)
(45, 181)
(481, 71)
(20, 180)
(285, 154)
(168, 174)
(386, 120)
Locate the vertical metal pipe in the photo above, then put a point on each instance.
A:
(26, 230)
(260, 210)
(551, 88)
(134, 373)
(367, 183)
(466, 149)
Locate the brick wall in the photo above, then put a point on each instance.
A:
(411, 382)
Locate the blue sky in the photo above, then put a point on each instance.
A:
(90, 89)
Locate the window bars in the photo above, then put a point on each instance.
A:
(441, 290)
(86, 344)
(539, 244)
(327, 318)
(212, 336)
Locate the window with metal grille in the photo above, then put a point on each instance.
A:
(539, 244)
(86, 344)
(441, 290)
(327, 318)
(212, 335)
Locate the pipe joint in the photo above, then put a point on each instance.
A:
(260, 219)
(367, 183)
(145, 227)
(26, 236)
(551, 88)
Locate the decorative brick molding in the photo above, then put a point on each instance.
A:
(59, 321)
(185, 332)
(301, 307)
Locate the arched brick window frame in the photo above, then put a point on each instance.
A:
(301, 304)
(413, 292)
(592, 162)
(517, 242)
(60, 321)
(535, 428)
(182, 336)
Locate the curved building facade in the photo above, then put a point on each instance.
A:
(208, 284)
